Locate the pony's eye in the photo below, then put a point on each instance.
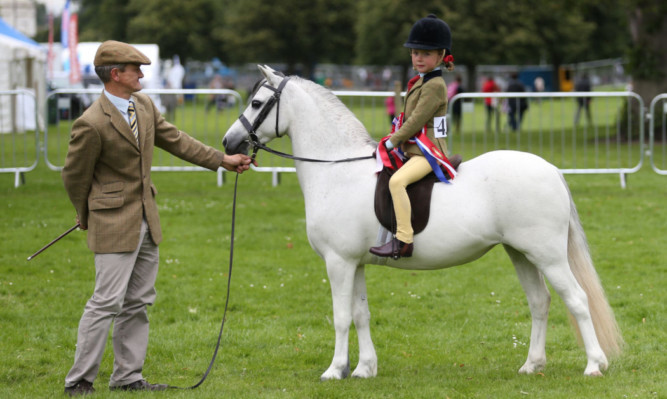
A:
(256, 103)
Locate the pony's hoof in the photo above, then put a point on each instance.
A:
(594, 367)
(335, 374)
(364, 371)
(531, 368)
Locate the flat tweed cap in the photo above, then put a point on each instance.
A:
(112, 52)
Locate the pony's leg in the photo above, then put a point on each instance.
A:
(539, 300)
(341, 277)
(367, 366)
(563, 281)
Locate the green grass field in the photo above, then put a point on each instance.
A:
(457, 333)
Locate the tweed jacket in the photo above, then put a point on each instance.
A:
(107, 175)
(425, 100)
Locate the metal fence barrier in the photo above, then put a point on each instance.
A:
(609, 138)
(194, 116)
(578, 132)
(658, 134)
(204, 114)
(19, 133)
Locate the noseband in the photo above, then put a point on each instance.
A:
(263, 113)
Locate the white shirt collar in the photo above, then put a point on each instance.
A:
(120, 103)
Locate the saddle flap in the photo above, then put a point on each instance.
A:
(420, 199)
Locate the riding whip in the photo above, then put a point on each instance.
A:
(54, 241)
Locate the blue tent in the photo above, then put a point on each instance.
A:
(7, 31)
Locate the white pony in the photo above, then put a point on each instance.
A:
(503, 197)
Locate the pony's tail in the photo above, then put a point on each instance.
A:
(581, 264)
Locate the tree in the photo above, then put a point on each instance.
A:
(609, 38)
(518, 32)
(384, 25)
(100, 20)
(178, 27)
(648, 55)
(294, 32)
(553, 29)
(481, 34)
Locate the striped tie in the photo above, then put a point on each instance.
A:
(133, 121)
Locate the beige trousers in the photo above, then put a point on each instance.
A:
(413, 170)
(124, 287)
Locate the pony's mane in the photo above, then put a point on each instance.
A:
(332, 106)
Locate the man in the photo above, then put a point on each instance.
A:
(107, 177)
(517, 106)
(583, 84)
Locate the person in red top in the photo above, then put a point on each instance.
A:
(490, 86)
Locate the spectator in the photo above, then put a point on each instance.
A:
(490, 86)
(539, 84)
(453, 89)
(215, 100)
(516, 105)
(390, 106)
(539, 87)
(175, 77)
(583, 84)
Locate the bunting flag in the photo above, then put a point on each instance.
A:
(64, 26)
(74, 69)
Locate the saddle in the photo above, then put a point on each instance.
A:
(420, 197)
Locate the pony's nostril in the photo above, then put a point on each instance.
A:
(224, 142)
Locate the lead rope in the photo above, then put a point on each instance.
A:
(229, 281)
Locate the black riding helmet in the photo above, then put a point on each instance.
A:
(430, 33)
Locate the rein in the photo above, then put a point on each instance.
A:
(229, 281)
(263, 113)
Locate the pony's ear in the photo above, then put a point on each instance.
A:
(271, 75)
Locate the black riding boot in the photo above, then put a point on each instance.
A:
(394, 248)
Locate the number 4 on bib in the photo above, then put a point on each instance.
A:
(440, 127)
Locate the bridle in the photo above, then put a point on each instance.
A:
(263, 113)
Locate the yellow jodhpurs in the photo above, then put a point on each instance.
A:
(413, 170)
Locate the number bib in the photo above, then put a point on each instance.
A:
(440, 127)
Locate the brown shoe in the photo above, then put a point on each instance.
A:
(455, 160)
(141, 385)
(81, 388)
(394, 248)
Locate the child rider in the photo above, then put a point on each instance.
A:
(420, 133)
